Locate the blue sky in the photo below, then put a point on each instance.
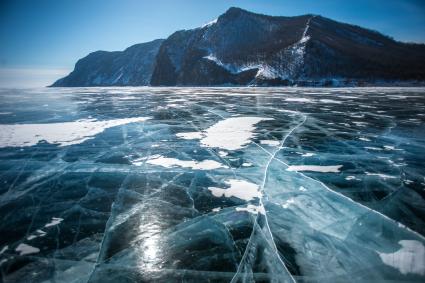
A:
(49, 36)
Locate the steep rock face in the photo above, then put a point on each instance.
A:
(236, 48)
(241, 47)
(131, 67)
(346, 51)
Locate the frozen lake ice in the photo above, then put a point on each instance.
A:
(212, 185)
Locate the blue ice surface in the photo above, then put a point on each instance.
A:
(212, 185)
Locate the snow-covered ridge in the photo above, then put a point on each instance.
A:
(296, 52)
(264, 70)
(209, 23)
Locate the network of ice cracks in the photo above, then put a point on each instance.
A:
(212, 185)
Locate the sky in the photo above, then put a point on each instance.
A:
(40, 40)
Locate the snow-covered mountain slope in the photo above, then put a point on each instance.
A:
(244, 48)
(241, 47)
(130, 67)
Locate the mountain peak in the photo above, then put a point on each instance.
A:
(234, 12)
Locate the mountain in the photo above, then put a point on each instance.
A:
(131, 67)
(244, 48)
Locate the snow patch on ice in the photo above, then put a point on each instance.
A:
(383, 176)
(64, 134)
(315, 168)
(223, 153)
(55, 221)
(349, 178)
(409, 259)
(299, 99)
(232, 133)
(270, 142)
(288, 203)
(190, 135)
(302, 189)
(330, 101)
(167, 162)
(24, 249)
(254, 209)
(238, 188)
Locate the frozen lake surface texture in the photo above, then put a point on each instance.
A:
(212, 185)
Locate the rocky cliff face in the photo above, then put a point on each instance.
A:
(244, 48)
(131, 67)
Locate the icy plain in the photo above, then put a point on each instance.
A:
(212, 185)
